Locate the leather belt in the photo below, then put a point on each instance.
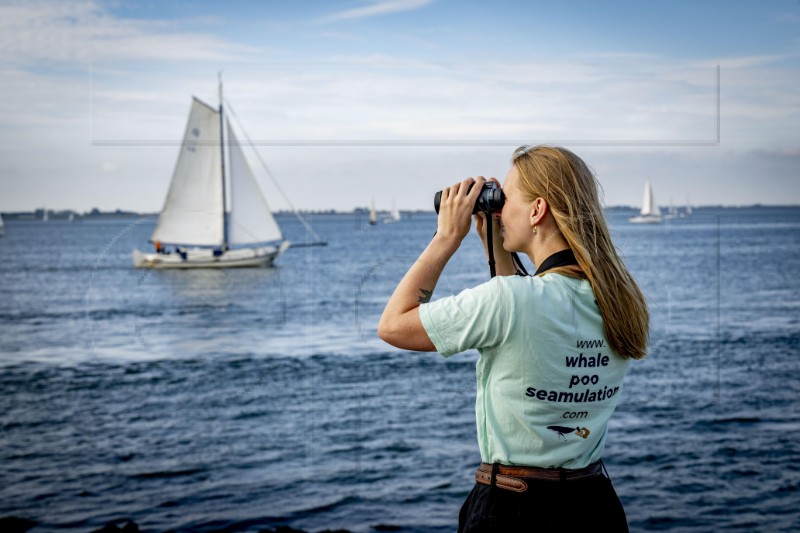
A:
(513, 477)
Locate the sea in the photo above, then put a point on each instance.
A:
(249, 399)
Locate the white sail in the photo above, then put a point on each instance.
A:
(650, 213)
(2, 226)
(251, 220)
(394, 216)
(649, 206)
(193, 210)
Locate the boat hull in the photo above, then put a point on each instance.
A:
(204, 258)
(645, 219)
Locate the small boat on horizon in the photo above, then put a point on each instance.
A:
(650, 213)
(373, 215)
(394, 216)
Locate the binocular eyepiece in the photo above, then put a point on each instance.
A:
(490, 199)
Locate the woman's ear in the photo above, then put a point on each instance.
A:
(539, 208)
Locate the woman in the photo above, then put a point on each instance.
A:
(554, 347)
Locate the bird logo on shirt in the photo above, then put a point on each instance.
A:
(563, 430)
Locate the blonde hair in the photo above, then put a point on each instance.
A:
(570, 189)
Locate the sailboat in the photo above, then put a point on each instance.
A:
(394, 216)
(193, 230)
(2, 227)
(650, 213)
(373, 215)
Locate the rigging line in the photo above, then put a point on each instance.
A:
(230, 109)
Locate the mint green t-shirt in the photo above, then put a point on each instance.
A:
(547, 381)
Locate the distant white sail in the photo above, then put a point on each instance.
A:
(193, 210)
(251, 220)
(650, 213)
(2, 226)
(394, 216)
(649, 206)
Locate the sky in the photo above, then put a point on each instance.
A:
(392, 100)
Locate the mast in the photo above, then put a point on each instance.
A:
(222, 163)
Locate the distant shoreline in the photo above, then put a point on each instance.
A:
(96, 214)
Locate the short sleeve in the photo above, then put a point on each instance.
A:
(480, 317)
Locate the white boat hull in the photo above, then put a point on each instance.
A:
(205, 258)
(645, 219)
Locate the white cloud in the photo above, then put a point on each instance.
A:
(384, 99)
(375, 8)
(60, 32)
(744, 61)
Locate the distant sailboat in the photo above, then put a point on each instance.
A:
(45, 216)
(194, 220)
(650, 213)
(2, 227)
(394, 216)
(672, 212)
(373, 215)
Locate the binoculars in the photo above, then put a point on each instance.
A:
(490, 199)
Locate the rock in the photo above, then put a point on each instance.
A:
(14, 524)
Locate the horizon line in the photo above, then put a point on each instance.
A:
(122, 211)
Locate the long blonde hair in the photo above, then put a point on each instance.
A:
(571, 192)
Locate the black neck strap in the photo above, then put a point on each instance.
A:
(558, 259)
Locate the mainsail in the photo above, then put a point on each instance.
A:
(193, 211)
(251, 220)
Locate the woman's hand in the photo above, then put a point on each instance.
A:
(455, 208)
(480, 229)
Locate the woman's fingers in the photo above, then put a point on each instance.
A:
(479, 221)
(480, 225)
(456, 206)
(468, 189)
(456, 189)
(477, 187)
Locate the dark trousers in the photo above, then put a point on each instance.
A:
(562, 506)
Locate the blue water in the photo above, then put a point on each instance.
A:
(253, 398)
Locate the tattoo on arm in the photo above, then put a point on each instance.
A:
(426, 296)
